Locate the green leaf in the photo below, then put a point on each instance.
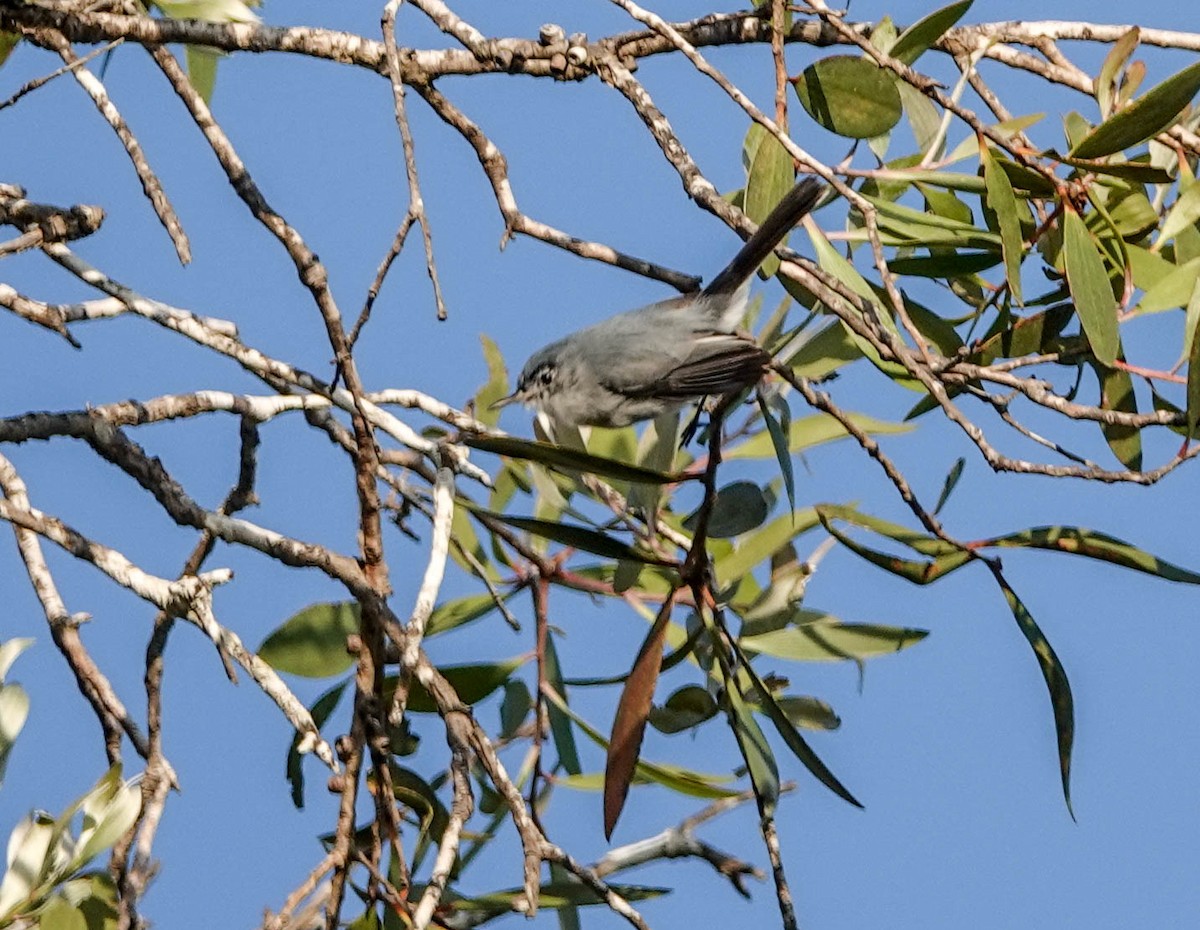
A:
(1192, 330)
(825, 352)
(578, 537)
(320, 711)
(677, 778)
(1183, 213)
(779, 430)
(808, 712)
(555, 456)
(792, 738)
(451, 614)
(514, 708)
(1056, 683)
(1114, 62)
(829, 640)
(945, 265)
(560, 721)
(810, 431)
(1003, 203)
(1088, 280)
(312, 643)
(756, 751)
(771, 175)
(1172, 290)
(202, 69)
(472, 682)
(1147, 116)
(926, 31)
(738, 508)
(1094, 545)
(686, 708)
(1116, 393)
(950, 484)
(762, 544)
(850, 96)
(8, 41)
(497, 383)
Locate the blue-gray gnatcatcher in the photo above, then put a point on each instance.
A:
(648, 361)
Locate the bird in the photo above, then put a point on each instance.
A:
(657, 358)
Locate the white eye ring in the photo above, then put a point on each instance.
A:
(546, 375)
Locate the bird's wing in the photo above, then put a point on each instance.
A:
(717, 363)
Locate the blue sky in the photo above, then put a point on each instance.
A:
(949, 744)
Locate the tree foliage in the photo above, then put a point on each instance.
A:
(985, 262)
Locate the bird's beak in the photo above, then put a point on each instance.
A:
(512, 398)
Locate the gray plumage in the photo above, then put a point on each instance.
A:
(644, 362)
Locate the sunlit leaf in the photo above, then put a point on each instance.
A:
(1093, 295)
(1095, 545)
(1114, 62)
(831, 640)
(1003, 203)
(771, 175)
(808, 432)
(1147, 116)
(759, 545)
(926, 31)
(312, 642)
(850, 96)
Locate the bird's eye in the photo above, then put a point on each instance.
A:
(546, 375)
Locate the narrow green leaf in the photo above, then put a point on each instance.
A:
(312, 643)
(685, 781)
(1191, 350)
(780, 431)
(1147, 116)
(1003, 203)
(1183, 213)
(926, 31)
(850, 96)
(496, 385)
(1088, 280)
(560, 721)
(547, 453)
(920, 542)
(792, 738)
(829, 640)
(914, 570)
(1094, 545)
(945, 265)
(1114, 62)
(202, 69)
(950, 484)
(762, 544)
(451, 614)
(808, 432)
(1056, 683)
(807, 712)
(577, 537)
(756, 751)
(1116, 393)
(771, 175)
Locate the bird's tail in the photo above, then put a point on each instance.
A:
(779, 222)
